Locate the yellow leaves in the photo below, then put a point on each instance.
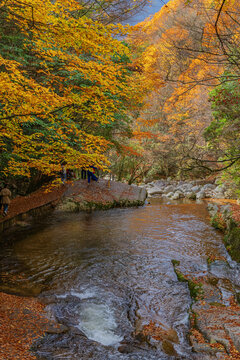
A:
(75, 83)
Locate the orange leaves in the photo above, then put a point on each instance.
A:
(155, 331)
(128, 150)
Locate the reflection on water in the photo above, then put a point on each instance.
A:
(111, 270)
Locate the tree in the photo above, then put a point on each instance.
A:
(184, 50)
(111, 11)
(64, 79)
(222, 135)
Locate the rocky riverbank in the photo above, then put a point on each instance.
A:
(196, 189)
(215, 311)
(226, 218)
(224, 211)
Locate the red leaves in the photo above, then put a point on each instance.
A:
(21, 322)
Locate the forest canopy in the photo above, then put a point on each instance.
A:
(65, 87)
(190, 51)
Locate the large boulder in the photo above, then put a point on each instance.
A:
(101, 195)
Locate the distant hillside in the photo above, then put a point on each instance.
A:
(179, 51)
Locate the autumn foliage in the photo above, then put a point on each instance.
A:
(65, 85)
(183, 52)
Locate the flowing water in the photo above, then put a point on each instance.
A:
(109, 273)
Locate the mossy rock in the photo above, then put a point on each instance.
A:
(218, 222)
(68, 206)
(232, 242)
(238, 297)
(71, 205)
(175, 262)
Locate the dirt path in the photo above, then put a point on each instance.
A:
(22, 204)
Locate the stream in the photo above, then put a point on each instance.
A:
(108, 274)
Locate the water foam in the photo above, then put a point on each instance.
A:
(98, 323)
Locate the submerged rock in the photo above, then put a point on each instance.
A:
(168, 348)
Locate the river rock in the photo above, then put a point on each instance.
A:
(213, 209)
(196, 188)
(169, 189)
(234, 333)
(56, 328)
(220, 188)
(154, 191)
(218, 195)
(103, 194)
(172, 336)
(208, 187)
(191, 195)
(201, 195)
(168, 348)
(177, 195)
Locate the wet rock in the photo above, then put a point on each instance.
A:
(221, 269)
(212, 280)
(23, 290)
(56, 328)
(22, 224)
(220, 340)
(168, 348)
(172, 336)
(125, 349)
(204, 348)
(68, 205)
(234, 333)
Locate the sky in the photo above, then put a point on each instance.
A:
(150, 9)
